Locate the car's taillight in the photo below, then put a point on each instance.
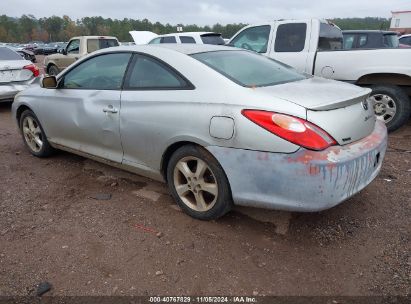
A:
(33, 68)
(293, 129)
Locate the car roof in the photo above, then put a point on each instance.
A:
(93, 37)
(189, 34)
(368, 32)
(187, 49)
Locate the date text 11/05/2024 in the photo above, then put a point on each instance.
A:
(218, 299)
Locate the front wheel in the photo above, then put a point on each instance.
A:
(53, 70)
(34, 136)
(198, 183)
(391, 105)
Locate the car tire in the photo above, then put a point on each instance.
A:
(198, 183)
(34, 136)
(53, 70)
(392, 105)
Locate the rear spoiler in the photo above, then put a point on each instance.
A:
(343, 103)
(142, 37)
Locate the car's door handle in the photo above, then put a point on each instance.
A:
(110, 109)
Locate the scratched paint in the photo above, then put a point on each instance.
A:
(305, 180)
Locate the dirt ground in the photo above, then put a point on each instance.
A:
(52, 229)
(39, 63)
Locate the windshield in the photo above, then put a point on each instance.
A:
(391, 41)
(249, 69)
(8, 54)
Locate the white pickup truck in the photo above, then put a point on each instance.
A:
(316, 47)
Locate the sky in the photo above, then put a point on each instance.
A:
(204, 12)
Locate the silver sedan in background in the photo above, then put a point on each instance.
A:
(16, 73)
(220, 125)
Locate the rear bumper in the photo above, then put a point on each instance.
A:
(306, 180)
(9, 90)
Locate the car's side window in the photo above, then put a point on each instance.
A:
(253, 39)
(362, 40)
(290, 37)
(103, 72)
(168, 39)
(187, 39)
(349, 41)
(147, 73)
(73, 47)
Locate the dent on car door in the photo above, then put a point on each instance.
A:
(154, 105)
(83, 112)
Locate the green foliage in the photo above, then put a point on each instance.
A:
(28, 28)
(368, 23)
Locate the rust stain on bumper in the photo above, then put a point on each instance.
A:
(305, 180)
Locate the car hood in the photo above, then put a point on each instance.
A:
(142, 37)
(318, 93)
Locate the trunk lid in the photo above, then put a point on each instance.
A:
(340, 109)
(12, 71)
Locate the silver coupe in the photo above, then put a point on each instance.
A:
(219, 125)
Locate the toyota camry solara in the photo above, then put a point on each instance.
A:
(220, 125)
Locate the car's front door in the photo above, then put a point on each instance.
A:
(83, 112)
(71, 55)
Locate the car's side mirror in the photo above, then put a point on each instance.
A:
(49, 82)
(64, 52)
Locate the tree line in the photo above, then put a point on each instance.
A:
(28, 28)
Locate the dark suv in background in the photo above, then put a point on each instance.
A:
(368, 39)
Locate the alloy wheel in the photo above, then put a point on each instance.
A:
(195, 183)
(384, 107)
(32, 134)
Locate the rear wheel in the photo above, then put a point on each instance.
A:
(391, 105)
(34, 136)
(53, 70)
(198, 183)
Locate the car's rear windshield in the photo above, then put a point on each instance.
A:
(249, 69)
(331, 38)
(97, 44)
(215, 39)
(7, 54)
